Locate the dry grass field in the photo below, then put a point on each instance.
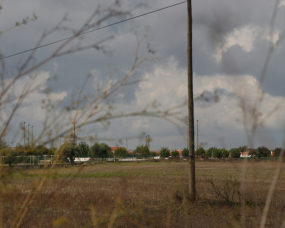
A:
(146, 194)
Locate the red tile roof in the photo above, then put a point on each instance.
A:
(114, 148)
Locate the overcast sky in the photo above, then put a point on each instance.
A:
(230, 44)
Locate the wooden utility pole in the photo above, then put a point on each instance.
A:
(148, 141)
(24, 136)
(32, 136)
(197, 137)
(74, 130)
(188, 137)
(192, 192)
(29, 135)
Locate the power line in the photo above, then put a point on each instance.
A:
(94, 30)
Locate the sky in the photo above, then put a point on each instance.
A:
(231, 40)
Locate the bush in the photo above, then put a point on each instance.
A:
(235, 153)
(121, 152)
(164, 152)
(229, 192)
(200, 151)
(225, 153)
(174, 153)
(185, 152)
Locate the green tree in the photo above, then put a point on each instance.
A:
(175, 153)
(185, 152)
(83, 148)
(101, 150)
(208, 153)
(277, 152)
(52, 150)
(263, 151)
(10, 155)
(217, 153)
(142, 150)
(121, 152)
(69, 151)
(164, 152)
(235, 153)
(243, 148)
(41, 150)
(200, 151)
(253, 153)
(225, 153)
(152, 154)
(3, 144)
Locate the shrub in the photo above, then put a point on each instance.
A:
(185, 152)
(229, 192)
(235, 153)
(174, 153)
(164, 152)
(121, 152)
(225, 153)
(200, 151)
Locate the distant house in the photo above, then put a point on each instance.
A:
(272, 153)
(245, 154)
(13, 148)
(115, 148)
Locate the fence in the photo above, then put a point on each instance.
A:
(49, 159)
(28, 160)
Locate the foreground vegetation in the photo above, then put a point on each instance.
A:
(146, 194)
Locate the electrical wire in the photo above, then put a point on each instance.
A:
(19, 53)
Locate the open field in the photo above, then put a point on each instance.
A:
(146, 194)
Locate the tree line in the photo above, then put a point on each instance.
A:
(69, 151)
(261, 151)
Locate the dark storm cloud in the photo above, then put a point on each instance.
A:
(222, 17)
(209, 98)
